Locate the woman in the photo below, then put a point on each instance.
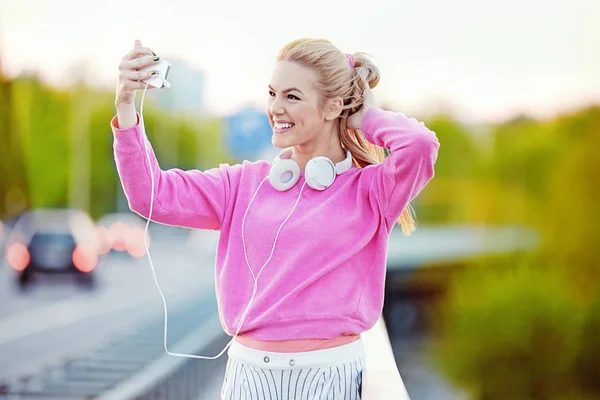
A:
(303, 239)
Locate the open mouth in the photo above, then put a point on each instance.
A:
(282, 127)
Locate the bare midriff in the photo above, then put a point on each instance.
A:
(297, 345)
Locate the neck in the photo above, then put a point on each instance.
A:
(327, 144)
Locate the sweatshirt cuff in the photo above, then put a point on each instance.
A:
(129, 135)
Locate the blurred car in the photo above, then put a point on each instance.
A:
(122, 233)
(53, 241)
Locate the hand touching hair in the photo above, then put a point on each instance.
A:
(350, 77)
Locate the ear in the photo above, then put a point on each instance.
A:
(333, 108)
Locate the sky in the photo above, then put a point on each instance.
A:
(484, 61)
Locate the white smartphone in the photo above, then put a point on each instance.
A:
(159, 80)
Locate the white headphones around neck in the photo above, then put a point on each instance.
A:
(320, 172)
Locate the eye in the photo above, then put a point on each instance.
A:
(271, 93)
(292, 97)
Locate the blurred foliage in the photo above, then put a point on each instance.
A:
(528, 326)
(511, 333)
(570, 221)
(48, 135)
(586, 366)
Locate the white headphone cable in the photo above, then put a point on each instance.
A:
(255, 278)
(146, 141)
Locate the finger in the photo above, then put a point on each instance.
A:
(138, 63)
(134, 75)
(135, 85)
(138, 51)
(363, 78)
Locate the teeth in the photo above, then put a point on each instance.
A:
(283, 126)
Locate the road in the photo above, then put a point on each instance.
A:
(55, 320)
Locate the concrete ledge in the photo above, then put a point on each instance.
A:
(381, 378)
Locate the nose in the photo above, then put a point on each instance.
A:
(276, 108)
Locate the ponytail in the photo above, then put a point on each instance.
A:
(363, 152)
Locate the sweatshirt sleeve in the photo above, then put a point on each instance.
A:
(192, 198)
(409, 166)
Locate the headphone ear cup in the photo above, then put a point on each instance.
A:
(284, 174)
(320, 173)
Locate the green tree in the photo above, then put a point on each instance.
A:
(14, 187)
(43, 130)
(526, 327)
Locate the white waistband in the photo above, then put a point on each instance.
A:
(309, 359)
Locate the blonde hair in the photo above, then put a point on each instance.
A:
(336, 78)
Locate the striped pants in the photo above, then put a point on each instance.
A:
(329, 374)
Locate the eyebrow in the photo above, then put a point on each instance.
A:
(288, 90)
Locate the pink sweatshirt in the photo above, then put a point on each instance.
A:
(326, 276)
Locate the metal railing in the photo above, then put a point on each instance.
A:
(172, 377)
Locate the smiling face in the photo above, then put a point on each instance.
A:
(294, 105)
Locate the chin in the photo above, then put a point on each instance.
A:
(281, 143)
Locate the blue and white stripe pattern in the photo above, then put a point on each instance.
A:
(337, 382)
